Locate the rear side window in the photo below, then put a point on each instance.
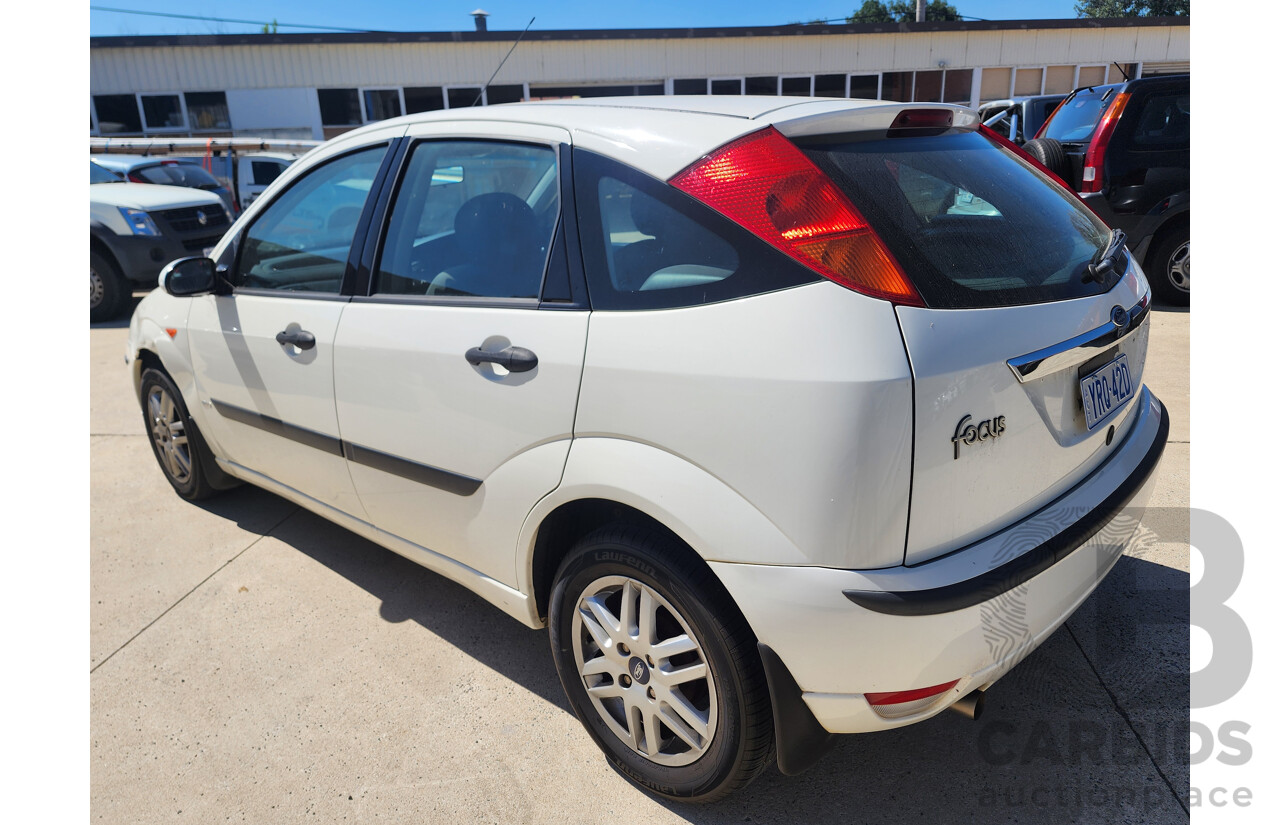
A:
(472, 219)
(647, 245)
(970, 223)
(1165, 121)
(266, 171)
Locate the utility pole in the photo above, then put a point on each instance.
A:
(919, 11)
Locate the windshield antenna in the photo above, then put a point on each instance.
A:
(1123, 73)
(504, 60)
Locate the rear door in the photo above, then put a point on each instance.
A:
(1012, 325)
(457, 375)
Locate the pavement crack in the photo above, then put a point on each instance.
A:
(220, 568)
(1115, 702)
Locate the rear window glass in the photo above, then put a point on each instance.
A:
(1075, 119)
(177, 174)
(971, 224)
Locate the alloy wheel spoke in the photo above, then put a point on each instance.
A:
(684, 674)
(652, 741)
(673, 647)
(681, 728)
(687, 712)
(647, 622)
(600, 666)
(598, 633)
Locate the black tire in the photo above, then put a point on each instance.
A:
(1049, 153)
(734, 698)
(175, 440)
(108, 289)
(1169, 266)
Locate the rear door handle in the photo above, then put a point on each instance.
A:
(514, 359)
(300, 338)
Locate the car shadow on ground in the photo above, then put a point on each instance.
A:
(1052, 745)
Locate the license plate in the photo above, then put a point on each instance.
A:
(1105, 390)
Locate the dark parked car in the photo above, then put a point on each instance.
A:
(1022, 116)
(1126, 148)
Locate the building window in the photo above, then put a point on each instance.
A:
(162, 112)
(762, 85)
(864, 86)
(460, 97)
(381, 104)
(208, 110)
(511, 93)
(339, 107)
(117, 114)
(423, 99)
(829, 85)
(727, 87)
(797, 86)
(1028, 82)
(995, 84)
(957, 86)
(897, 86)
(929, 87)
(689, 86)
(558, 92)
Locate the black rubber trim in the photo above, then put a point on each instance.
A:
(275, 426)
(1007, 576)
(800, 738)
(422, 473)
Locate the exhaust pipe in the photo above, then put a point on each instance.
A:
(970, 706)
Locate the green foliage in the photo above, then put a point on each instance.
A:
(902, 11)
(271, 28)
(1133, 8)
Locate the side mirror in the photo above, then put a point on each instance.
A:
(188, 276)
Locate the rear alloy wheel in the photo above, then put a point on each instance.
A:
(659, 666)
(174, 440)
(107, 290)
(1170, 272)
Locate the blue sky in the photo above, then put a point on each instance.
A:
(416, 15)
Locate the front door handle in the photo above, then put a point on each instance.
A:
(514, 359)
(300, 338)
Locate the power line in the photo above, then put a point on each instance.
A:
(226, 20)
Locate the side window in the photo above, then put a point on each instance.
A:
(1165, 120)
(473, 219)
(300, 243)
(647, 245)
(266, 171)
(650, 246)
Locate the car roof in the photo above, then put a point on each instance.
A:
(662, 134)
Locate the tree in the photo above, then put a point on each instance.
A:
(902, 11)
(1133, 8)
(271, 28)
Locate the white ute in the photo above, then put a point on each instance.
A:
(786, 417)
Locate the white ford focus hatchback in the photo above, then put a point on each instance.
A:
(786, 417)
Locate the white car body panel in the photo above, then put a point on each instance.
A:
(791, 380)
(404, 388)
(239, 364)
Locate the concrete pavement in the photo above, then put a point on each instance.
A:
(252, 662)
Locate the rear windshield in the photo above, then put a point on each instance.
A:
(1074, 121)
(178, 174)
(972, 224)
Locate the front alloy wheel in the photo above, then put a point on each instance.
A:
(175, 441)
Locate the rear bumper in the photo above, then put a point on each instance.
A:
(971, 615)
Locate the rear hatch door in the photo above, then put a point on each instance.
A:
(1018, 317)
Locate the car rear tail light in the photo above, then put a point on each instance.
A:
(899, 703)
(1091, 175)
(766, 184)
(136, 178)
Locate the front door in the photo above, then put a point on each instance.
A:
(263, 356)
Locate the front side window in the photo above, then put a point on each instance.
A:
(301, 242)
(471, 219)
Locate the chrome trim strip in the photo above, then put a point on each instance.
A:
(1077, 350)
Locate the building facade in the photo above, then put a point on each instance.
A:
(319, 85)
